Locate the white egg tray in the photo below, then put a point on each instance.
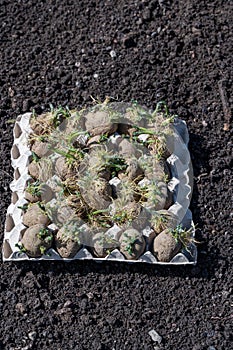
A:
(180, 185)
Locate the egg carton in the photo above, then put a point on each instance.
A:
(180, 185)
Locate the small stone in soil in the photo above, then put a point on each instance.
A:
(155, 336)
(113, 53)
(32, 335)
(20, 308)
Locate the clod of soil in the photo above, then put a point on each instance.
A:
(47, 193)
(165, 246)
(36, 240)
(132, 244)
(95, 164)
(35, 215)
(128, 213)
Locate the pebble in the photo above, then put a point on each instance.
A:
(26, 105)
(20, 308)
(113, 53)
(32, 335)
(155, 336)
(68, 303)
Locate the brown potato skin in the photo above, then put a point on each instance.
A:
(32, 243)
(165, 246)
(137, 248)
(67, 248)
(34, 215)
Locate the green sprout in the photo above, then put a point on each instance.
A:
(21, 247)
(138, 112)
(72, 230)
(42, 249)
(99, 218)
(128, 191)
(59, 115)
(35, 157)
(130, 241)
(107, 242)
(107, 161)
(24, 207)
(161, 107)
(72, 154)
(150, 192)
(182, 235)
(166, 178)
(103, 138)
(34, 114)
(121, 216)
(159, 221)
(124, 213)
(140, 130)
(46, 236)
(34, 188)
(115, 164)
(72, 136)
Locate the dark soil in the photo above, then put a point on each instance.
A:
(180, 51)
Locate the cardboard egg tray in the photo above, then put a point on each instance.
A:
(180, 185)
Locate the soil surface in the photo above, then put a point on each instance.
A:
(63, 52)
